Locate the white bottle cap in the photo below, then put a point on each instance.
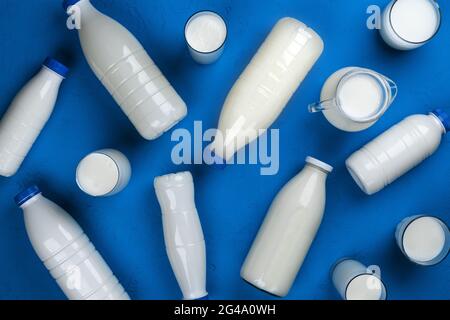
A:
(97, 174)
(317, 163)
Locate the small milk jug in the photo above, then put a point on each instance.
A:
(288, 231)
(66, 251)
(265, 87)
(125, 69)
(28, 114)
(398, 150)
(183, 234)
(353, 98)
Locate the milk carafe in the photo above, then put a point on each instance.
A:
(183, 234)
(66, 251)
(353, 98)
(266, 86)
(288, 231)
(125, 69)
(28, 114)
(398, 150)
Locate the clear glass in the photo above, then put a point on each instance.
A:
(348, 272)
(205, 57)
(400, 237)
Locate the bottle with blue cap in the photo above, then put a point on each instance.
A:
(66, 251)
(398, 150)
(123, 66)
(28, 114)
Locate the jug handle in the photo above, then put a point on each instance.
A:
(394, 88)
(322, 105)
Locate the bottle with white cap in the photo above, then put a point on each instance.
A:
(28, 114)
(288, 231)
(398, 150)
(183, 234)
(66, 251)
(123, 66)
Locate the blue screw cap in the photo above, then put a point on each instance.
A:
(56, 66)
(444, 117)
(69, 3)
(26, 195)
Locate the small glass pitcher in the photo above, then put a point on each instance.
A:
(344, 82)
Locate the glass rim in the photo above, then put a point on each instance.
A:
(194, 16)
(119, 174)
(430, 262)
(438, 10)
(382, 82)
(384, 290)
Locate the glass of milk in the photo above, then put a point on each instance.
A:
(103, 173)
(206, 34)
(424, 240)
(409, 24)
(354, 281)
(353, 98)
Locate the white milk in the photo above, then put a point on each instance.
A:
(205, 34)
(398, 150)
(66, 251)
(123, 66)
(183, 234)
(353, 98)
(102, 173)
(408, 24)
(265, 87)
(423, 239)
(365, 287)
(354, 281)
(27, 115)
(288, 231)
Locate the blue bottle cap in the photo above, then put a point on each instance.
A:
(443, 117)
(56, 66)
(26, 195)
(69, 3)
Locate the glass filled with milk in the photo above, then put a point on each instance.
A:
(409, 24)
(424, 240)
(206, 35)
(355, 281)
(353, 98)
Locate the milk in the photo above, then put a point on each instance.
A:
(267, 84)
(408, 24)
(288, 231)
(183, 234)
(355, 281)
(27, 115)
(103, 173)
(424, 240)
(66, 251)
(128, 73)
(398, 150)
(205, 34)
(354, 99)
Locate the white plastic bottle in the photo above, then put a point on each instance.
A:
(288, 231)
(266, 86)
(183, 233)
(125, 69)
(398, 150)
(66, 251)
(28, 114)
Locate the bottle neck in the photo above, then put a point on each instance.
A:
(87, 9)
(50, 74)
(32, 201)
(438, 122)
(320, 172)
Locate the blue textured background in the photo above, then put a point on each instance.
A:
(232, 203)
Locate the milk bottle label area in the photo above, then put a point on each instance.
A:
(206, 151)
